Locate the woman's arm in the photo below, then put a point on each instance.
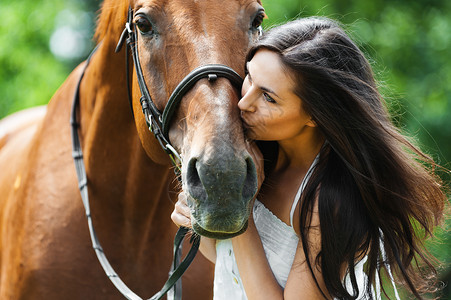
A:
(258, 279)
(255, 272)
(181, 216)
(300, 280)
(208, 248)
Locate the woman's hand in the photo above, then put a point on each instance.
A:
(181, 215)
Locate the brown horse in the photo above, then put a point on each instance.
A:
(45, 247)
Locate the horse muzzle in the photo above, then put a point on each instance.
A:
(221, 187)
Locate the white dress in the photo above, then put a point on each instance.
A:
(280, 243)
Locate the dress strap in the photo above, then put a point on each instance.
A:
(387, 265)
(301, 188)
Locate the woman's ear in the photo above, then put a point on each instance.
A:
(311, 123)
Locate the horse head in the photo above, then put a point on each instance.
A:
(172, 38)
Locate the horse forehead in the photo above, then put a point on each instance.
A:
(205, 26)
(217, 5)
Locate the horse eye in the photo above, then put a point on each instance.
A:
(144, 25)
(258, 20)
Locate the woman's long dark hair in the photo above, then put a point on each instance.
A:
(374, 185)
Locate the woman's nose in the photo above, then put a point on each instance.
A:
(246, 102)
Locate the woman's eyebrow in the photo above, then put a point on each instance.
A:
(267, 90)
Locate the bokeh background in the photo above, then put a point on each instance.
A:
(408, 43)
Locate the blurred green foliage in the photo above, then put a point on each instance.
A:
(408, 43)
(29, 72)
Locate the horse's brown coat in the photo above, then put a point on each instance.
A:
(44, 241)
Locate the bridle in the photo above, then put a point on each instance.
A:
(159, 124)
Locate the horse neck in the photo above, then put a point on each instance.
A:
(123, 180)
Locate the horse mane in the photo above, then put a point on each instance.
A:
(112, 13)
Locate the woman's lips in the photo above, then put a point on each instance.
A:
(247, 129)
(245, 124)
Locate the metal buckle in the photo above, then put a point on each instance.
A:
(127, 26)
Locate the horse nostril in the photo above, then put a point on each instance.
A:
(195, 186)
(250, 182)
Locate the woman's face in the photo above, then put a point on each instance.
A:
(269, 108)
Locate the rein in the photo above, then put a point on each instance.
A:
(177, 268)
(158, 124)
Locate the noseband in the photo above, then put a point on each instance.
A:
(159, 124)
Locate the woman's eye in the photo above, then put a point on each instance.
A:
(144, 25)
(268, 98)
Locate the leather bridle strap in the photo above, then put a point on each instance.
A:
(177, 268)
(211, 72)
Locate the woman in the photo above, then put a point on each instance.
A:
(345, 195)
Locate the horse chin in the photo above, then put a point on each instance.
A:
(220, 235)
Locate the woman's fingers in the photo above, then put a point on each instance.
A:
(180, 220)
(182, 199)
(181, 215)
(182, 209)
